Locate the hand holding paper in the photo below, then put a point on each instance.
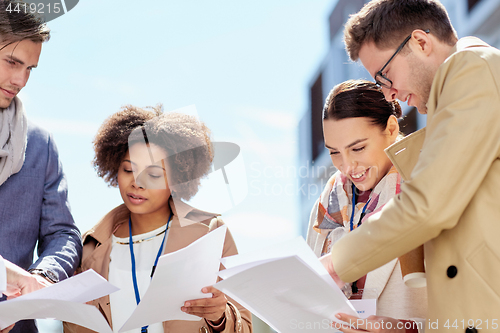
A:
(209, 308)
(62, 301)
(286, 286)
(371, 324)
(16, 281)
(179, 276)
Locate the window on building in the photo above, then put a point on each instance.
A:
(316, 118)
(408, 124)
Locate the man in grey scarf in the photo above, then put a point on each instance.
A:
(34, 210)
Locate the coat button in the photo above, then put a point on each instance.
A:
(204, 330)
(470, 330)
(451, 272)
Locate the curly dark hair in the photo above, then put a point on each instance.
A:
(185, 139)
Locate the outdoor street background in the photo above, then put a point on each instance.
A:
(244, 65)
(257, 73)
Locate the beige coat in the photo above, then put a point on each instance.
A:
(97, 248)
(394, 298)
(450, 198)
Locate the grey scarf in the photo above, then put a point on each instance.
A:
(13, 137)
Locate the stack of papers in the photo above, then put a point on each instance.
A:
(179, 277)
(286, 286)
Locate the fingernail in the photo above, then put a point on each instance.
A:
(188, 304)
(183, 309)
(338, 316)
(204, 290)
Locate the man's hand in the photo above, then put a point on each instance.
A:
(20, 282)
(326, 260)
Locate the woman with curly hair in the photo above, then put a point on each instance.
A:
(155, 160)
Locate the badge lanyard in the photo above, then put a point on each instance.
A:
(354, 286)
(354, 205)
(144, 329)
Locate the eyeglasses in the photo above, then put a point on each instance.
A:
(380, 78)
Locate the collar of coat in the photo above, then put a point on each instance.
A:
(461, 45)
(404, 154)
(466, 42)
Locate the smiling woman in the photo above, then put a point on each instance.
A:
(358, 124)
(153, 158)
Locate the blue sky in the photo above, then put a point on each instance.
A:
(246, 67)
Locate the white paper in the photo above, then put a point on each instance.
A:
(80, 288)
(365, 307)
(179, 277)
(77, 313)
(3, 276)
(62, 301)
(288, 295)
(297, 246)
(253, 280)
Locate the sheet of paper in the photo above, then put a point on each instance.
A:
(62, 301)
(296, 246)
(3, 276)
(80, 314)
(365, 307)
(288, 295)
(179, 277)
(80, 288)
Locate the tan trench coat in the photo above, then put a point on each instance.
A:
(450, 199)
(97, 249)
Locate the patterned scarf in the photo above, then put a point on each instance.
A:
(335, 205)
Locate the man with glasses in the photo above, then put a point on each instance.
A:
(449, 200)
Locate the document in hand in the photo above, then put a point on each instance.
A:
(179, 277)
(62, 301)
(286, 286)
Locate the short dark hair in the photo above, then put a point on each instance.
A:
(360, 98)
(185, 139)
(388, 22)
(18, 25)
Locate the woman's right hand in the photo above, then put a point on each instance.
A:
(212, 309)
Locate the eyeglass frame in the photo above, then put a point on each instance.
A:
(380, 72)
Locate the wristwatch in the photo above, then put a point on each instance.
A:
(46, 274)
